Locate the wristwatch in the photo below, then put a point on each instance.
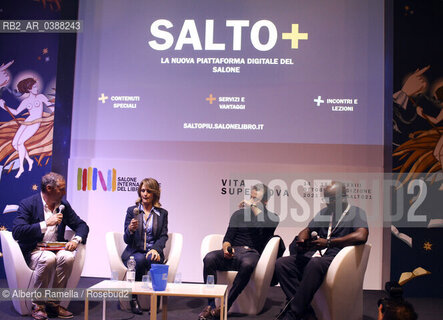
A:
(328, 244)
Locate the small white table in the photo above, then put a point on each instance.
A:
(172, 289)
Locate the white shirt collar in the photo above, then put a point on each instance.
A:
(43, 200)
(153, 209)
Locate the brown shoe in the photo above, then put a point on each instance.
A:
(206, 314)
(216, 313)
(39, 312)
(56, 310)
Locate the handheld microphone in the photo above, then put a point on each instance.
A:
(60, 209)
(136, 211)
(229, 249)
(314, 235)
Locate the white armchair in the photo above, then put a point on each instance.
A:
(252, 299)
(341, 293)
(115, 246)
(18, 274)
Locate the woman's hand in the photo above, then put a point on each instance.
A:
(155, 256)
(133, 225)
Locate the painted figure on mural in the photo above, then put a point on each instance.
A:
(436, 132)
(422, 152)
(4, 75)
(25, 137)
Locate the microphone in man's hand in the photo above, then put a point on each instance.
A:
(229, 249)
(314, 235)
(60, 209)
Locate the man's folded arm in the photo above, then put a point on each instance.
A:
(359, 236)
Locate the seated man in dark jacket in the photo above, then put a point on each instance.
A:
(250, 229)
(336, 226)
(43, 217)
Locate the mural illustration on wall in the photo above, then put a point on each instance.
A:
(30, 135)
(417, 147)
(52, 4)
(423, 152)
(418, 109)
(28, 69)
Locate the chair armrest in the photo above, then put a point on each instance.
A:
(348, 266)
(266, 264)
(174, 255)
(345, 263)
(115, 261)
(17, 271)
(210, 243)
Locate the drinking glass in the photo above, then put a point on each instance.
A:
(146, 281)
(178, 278)
(114, 275)
(210, 281)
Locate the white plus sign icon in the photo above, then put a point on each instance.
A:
(103, 98)
(318, 101)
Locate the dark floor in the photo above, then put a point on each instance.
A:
(180, 308)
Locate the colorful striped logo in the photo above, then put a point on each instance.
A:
(87, 179)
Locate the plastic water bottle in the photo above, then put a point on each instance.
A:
(130, 275)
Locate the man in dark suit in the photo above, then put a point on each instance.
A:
(43, 217)
(300, 275)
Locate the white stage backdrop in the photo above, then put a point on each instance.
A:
(197, 196)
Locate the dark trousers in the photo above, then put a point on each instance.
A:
(300, 277)
(244, 261)
(142, 265)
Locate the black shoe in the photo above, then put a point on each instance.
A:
(206, 314)
(135, 308)
(39, 312)
(55, 310)
(216, 313)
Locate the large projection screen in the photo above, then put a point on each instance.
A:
(231, 71)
